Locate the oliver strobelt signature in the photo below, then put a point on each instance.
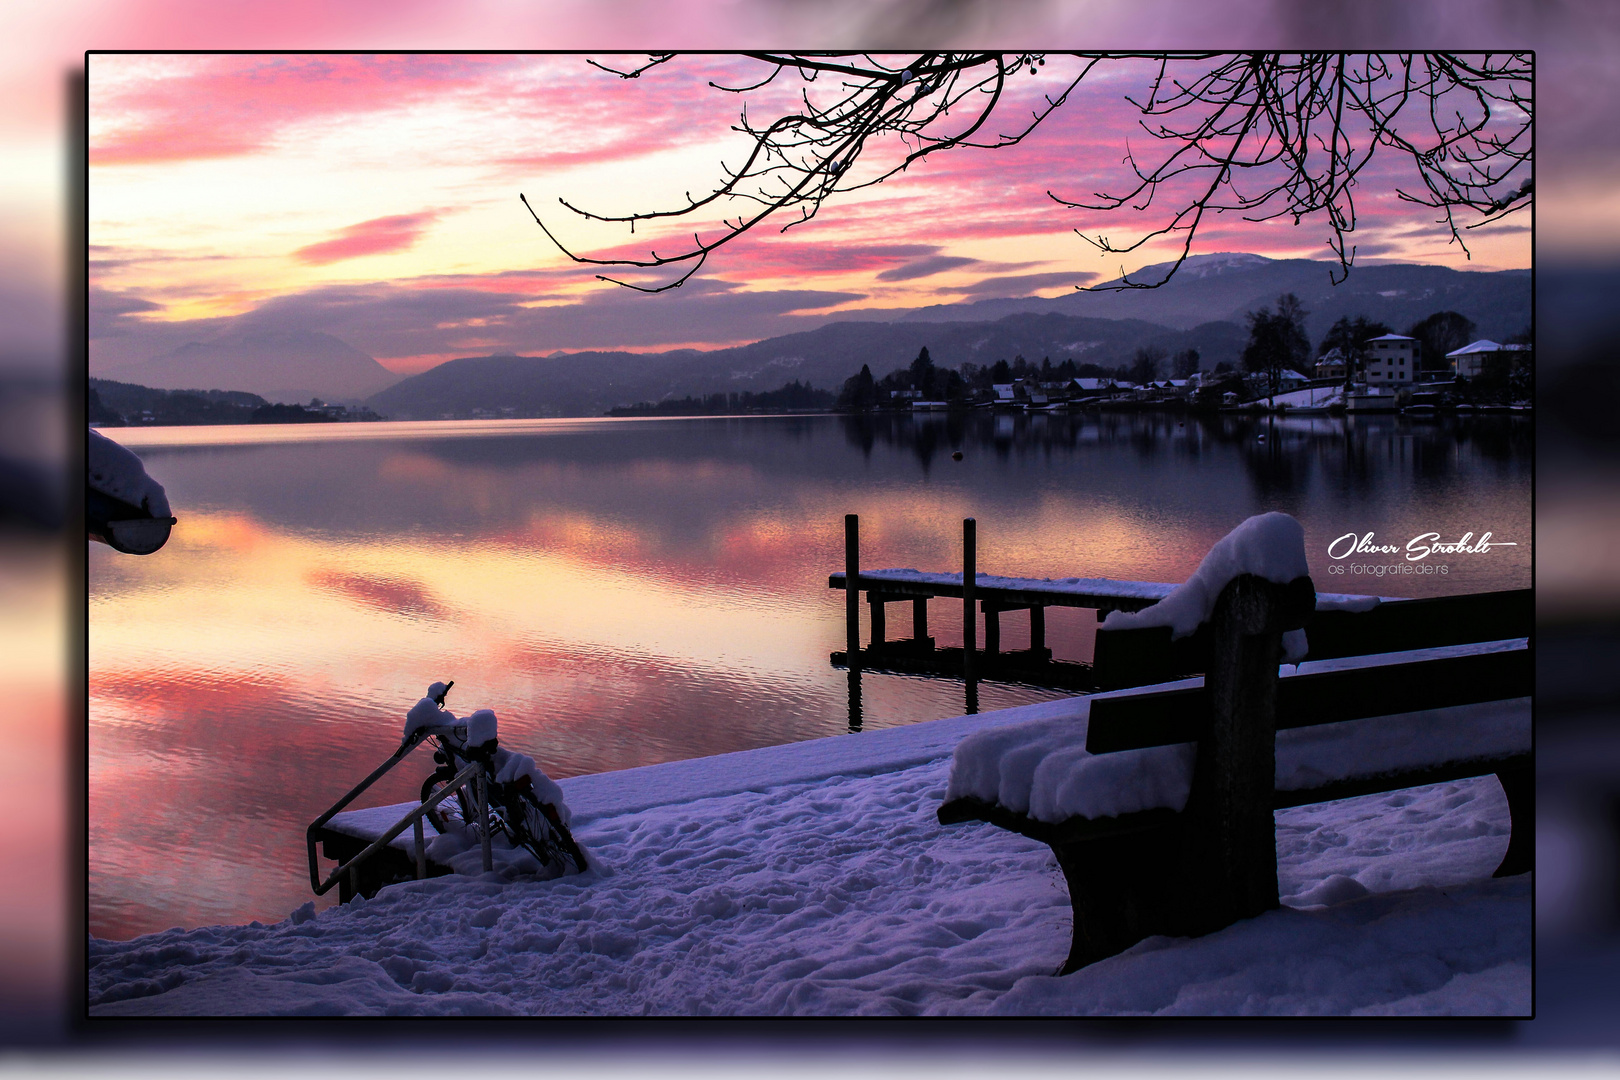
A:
(1418, 548)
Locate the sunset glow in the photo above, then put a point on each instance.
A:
(375, 197)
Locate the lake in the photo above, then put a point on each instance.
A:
(631, 591)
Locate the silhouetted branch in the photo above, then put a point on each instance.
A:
(1265, 135)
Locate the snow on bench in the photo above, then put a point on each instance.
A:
(1158, 802)
(1043, 770)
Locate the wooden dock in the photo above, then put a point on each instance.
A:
(993, 596)
(1342, 625)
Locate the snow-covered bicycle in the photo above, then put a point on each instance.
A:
(478, 791)
(523, 801)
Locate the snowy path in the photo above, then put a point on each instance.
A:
(832, 889)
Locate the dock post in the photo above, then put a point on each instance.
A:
(919, 623)
(879, 626)
(970, 635)
(1037, 628)
(852, 592)
(854, 700)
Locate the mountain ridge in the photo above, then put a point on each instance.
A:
(279, 365)
(1224, 286)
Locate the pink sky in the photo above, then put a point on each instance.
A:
(297, 187)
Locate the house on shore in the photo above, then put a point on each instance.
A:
(1392, 360)
(1471, 361)
(1332, 364)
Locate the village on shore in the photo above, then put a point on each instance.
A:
(1387, 373)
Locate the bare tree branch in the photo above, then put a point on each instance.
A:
(1264, 135)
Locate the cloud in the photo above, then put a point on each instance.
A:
(1015, 285)
(180, 108)
(107, 310)
(935, 264)
(375, 237)
(533, 114)
(766, 255)
(417, 323)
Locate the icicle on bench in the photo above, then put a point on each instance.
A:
(1159, 807)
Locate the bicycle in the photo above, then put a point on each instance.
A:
(514, 808)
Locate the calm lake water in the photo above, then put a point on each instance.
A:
(624, 592)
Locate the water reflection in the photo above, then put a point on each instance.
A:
(627, 592)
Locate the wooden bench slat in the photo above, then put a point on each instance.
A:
(1421, 624)
(1138, 721)
(1138, 656)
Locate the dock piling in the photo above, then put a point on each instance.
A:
(970, 636)
(852, 590)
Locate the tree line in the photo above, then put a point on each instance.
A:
(1277, 343)
(119, 404)
(791, 397)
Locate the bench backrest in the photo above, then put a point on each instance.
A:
(1140, 657)
(1167, 717)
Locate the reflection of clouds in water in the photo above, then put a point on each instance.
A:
(619, 594)
(396, 596)
(409, 467)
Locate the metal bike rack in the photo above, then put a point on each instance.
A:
(474, 773)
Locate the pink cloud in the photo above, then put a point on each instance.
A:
(220, 106)
(375, 237)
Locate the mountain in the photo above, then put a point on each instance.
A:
(281, 365)
(1223, 287)
(1202, 307)
(588, 384)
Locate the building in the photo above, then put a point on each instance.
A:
(1331, 365)
(1391, 360)
(1470, 361)
(1093, 388)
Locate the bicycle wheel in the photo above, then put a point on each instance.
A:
(455, 811)
(537, 828)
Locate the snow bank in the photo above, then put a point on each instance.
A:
(1041, 768)
(1271, 546)
(117, 472)
(1312, 397)
(821, 883)
(1373, 956)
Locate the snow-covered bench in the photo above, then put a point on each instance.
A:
(1158, 802)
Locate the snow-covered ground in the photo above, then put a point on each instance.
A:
(1312, 397)
(814, 878)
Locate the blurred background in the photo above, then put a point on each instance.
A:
(1577, 223)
